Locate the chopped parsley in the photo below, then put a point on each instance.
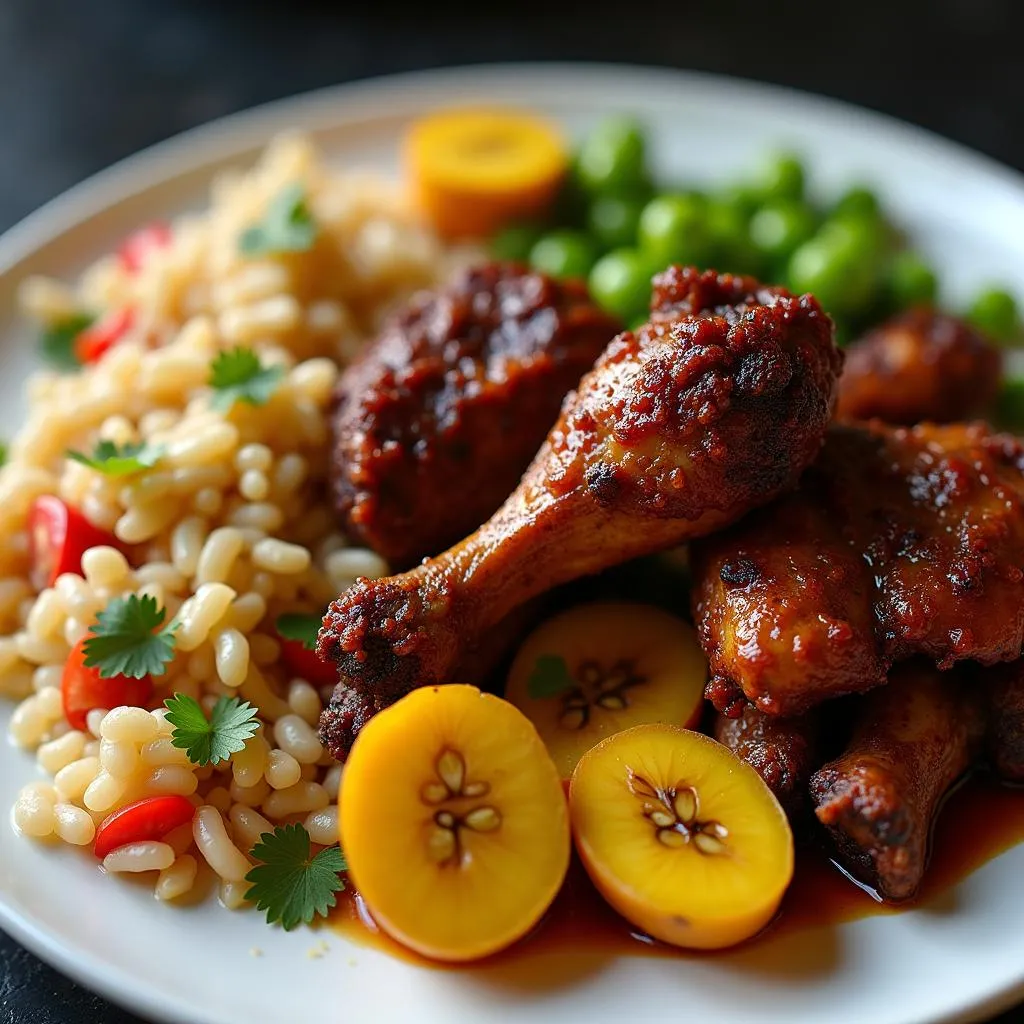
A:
(57, 342)
(287, 226)
(214, 739)
(129, 638)
(123, 460)
(550, 677)
(303, 628)
(237, 375)
(290, 885)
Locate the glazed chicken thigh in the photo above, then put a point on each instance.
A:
(710, 409)
(922, 365)
(436, 421)
(898, 542)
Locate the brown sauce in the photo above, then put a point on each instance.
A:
(979, 821)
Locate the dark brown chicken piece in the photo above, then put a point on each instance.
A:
(438, 419)
(913, 739)
(921, 365)
(783, 751)
(1003, 691)
(680, 428)
(898, 542)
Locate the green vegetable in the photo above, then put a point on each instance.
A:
(130, 639)
(995, 312)
(728, 226)
(778, 227)
(621, 283)
(209, 741)
(515, 242)
(290, 885)
(303, 628)
(123, 460)
(780, 175)
(287, 226)
(1009, 414)
(839, 273)
(550, 677)
(57, 342)
(3, 454)
(613, 220)
(237, 375)
(858, 201)
(673, 229)
(564, 254)
(910, 281)
(613, 157)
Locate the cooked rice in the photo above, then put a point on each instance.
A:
(227, 531)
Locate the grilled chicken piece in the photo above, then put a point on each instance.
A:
(914, 738)
(437, 420)
(898, 542)
(921, 365)
(783, 751)
(707, 411)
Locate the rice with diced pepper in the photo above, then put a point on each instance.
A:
(226, 530)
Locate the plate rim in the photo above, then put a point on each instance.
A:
(234, 135)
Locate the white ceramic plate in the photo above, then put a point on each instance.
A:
(958, 961)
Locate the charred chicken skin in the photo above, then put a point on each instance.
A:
(922, 365)
(913, 739)
(898, 542)
(437, 420)
(710, 409)
(783, 751)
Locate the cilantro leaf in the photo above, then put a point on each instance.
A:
(303, 628)
(57, 342)
(126, 639)
(550, 677)
(210, 741)
(113, 460)
(289, 885)
(287, 226)
(237, 375)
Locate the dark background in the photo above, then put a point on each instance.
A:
(86, 82)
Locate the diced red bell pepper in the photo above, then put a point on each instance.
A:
(82, 689)
(304, 663)
(94, 341)
(59, 535)
(147, 820)
(136, 248)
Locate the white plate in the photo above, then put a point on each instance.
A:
(962, 960)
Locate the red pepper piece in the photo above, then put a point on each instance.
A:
(94, 341)
(59, 535)
(136, 248)
(82, 689)
(304, 663)
(147, 820)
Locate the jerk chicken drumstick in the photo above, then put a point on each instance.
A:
(898, 542)
(707, 411)
(922, 365)
(913, 739)
(437, 420)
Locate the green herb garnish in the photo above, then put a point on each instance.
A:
(57, 342)
(210, 740)
(123, 460)
(130, 639)
(237, 375)
(289, 885)
(287, 226)
(550, 677)
(303, 628)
